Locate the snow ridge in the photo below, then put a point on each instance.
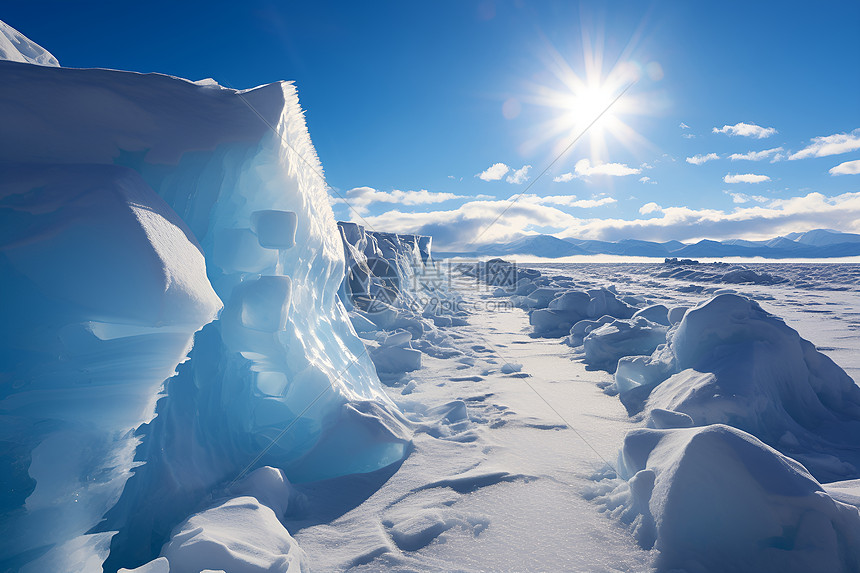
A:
(16, 47)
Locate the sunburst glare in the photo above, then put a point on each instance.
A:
(591, 95)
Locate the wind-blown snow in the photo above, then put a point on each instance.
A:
(16, 47)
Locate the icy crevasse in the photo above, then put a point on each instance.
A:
(233, 166)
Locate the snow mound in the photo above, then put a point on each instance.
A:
(606, 343)
(557, 316)
(239, 535)
(729, 361)
(717, 499)
(554, 307)
(16, 47)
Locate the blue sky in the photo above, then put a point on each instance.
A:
(409, 103)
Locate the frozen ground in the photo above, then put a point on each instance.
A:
(511, 436)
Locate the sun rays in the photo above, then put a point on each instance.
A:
(579, 88)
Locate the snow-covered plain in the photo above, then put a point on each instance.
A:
(547, 472)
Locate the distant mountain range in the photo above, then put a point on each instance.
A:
(820, 243)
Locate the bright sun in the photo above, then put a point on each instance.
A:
(578, 99)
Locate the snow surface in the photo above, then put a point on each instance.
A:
(16, 47)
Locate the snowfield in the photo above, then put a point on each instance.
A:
(201, 370)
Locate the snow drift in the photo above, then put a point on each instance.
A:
(718, 499)
(149, 176)
(729, 361)
(554, 304)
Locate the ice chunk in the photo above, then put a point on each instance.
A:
(396, 359)
(577, 301)
(252, 381)
(604, 301)
(676, 313)
(580, 329)
(275, 229)
(511, 367)
(541, 297)
(239, 250)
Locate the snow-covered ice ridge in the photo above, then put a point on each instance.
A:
(398, 298)
(16, 47)
(134, 207)
(744, 422)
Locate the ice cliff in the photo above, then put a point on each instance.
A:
(133, 206)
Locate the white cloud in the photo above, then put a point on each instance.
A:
(494, 172)
(699, 159)
(741, 198)
(776, 152)
(847, 168)
(684, 125)
(568, 201)
(650, 208)
(359, 198)
(746, 130)
(519, 176)
(454, 229)
(829, 145)
(745, 178)
(646, 179)
(687, 135)
(584, 168)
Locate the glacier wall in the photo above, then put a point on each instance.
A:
(279, 379)
(103, 287)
